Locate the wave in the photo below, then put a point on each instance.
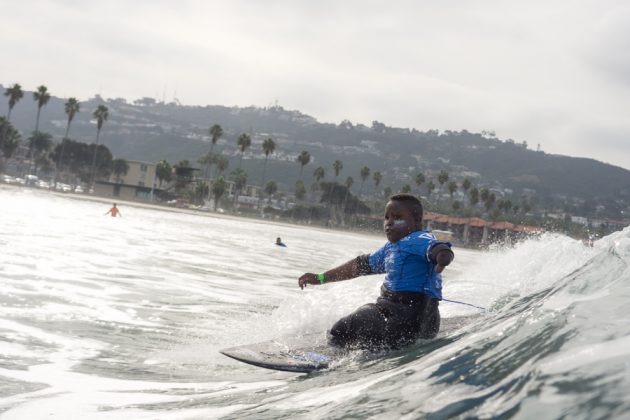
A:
(554, 343)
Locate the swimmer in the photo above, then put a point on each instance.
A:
(114, 211)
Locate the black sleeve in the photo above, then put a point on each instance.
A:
(363, 265)
(437, 249)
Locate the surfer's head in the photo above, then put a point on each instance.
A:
(403, 215)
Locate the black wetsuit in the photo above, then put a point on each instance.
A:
(395, 320)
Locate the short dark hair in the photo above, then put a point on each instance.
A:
(412, 202)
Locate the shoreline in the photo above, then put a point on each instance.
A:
(161, 207)
(225, 216)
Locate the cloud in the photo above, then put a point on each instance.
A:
(607, 46)
(541, 72)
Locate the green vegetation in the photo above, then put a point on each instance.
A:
(101, 114)
(83, 161)
(14, 93)
(457, 173)
(41, 96)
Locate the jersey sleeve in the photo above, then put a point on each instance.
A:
(432, 245)
(377, 261)
(421, 245)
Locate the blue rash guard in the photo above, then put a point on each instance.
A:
(408, 266)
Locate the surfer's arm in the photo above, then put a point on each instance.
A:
(354, 268)
(441, 255)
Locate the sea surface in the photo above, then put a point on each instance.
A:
(123, 318)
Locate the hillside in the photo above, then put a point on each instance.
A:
(152, 131)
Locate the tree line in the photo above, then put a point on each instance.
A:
(335, 196)
(91, 161)
(85, 161)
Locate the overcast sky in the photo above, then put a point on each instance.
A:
(554, 73)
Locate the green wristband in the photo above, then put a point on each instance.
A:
(320, 277)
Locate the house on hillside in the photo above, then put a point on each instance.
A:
(139, 183)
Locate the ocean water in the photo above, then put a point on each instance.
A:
(122, 318)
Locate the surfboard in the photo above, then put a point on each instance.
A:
(311, 352)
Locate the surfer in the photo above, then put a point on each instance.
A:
(114, 211)
(279, 242)
(407, 308)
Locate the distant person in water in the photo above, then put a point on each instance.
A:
(279, 242)
(114, 211)
(412, 260)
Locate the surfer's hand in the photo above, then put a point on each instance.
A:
(307, 278)
(442, 259)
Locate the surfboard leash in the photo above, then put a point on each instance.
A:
(465, 303)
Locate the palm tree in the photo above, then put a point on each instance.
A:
(319, 173)
(14, 93)
(202, 189)
(377, 177)
(222, 164)
(304, 158)
(268, 146)
(239, 177)
(41, 96)
(9, 138)
(466, 184)
(71, 107)
(442, 178)
(101, 113)
(337, 167)
(270, 189)
(218, 189)
(484, 194)
(365, 173)
(349, 182)
(38, 144)
(215, 134)
(244, 141)
(119, 167)
(300, 190)
(163, 171)
(10, 143)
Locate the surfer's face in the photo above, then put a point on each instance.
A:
(399, 221)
